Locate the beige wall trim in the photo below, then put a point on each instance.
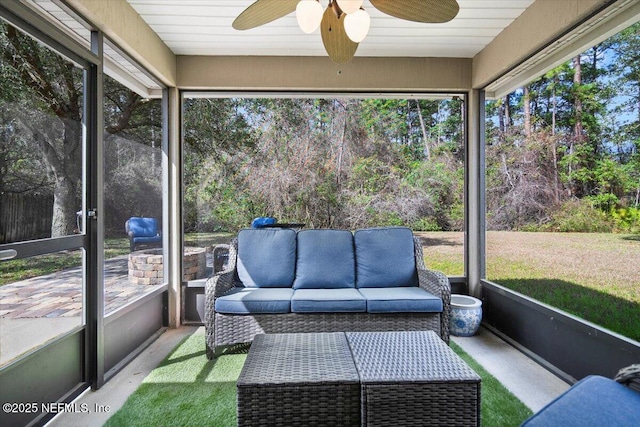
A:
(595, 30)
(539, 26)
(270, 73)
(120, 22)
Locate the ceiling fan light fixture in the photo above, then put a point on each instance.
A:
(344, 23)
(309, 15)
(350, 6)
(356, 25)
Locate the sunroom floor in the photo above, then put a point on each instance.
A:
(534, 385)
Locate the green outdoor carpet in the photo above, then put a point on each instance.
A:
(186, 389)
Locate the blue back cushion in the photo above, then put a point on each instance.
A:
(385, 257)
(267, 257)
(143, 227)
(325, 260)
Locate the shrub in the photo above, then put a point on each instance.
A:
(579, 216)
(627, 220)
(426, 224)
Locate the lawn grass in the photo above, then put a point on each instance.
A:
(498, 406)
(186, 389)
(591, 275)
(25, 268)
(207, 239)
(22, 269)
(594, 276)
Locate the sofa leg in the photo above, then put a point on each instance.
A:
(211, 354)
(214, 353)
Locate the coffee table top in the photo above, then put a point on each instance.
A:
(415, 356)
(299, 358)
(381, 357)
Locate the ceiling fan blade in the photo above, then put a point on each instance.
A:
(430, 11)
(262, 12)
(336, 42)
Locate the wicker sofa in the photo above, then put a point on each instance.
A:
(321, 280)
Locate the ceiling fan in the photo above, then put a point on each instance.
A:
(344, 23)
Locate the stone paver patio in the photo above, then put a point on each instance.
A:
(60, 294)
(38, 310)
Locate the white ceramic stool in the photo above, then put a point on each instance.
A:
(466, 315)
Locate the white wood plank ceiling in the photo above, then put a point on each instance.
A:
(203, 27)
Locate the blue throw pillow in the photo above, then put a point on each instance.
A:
(262, 221)
(267, 257)
(385, 257)
(325, 260)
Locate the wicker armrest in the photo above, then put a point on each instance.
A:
(630, 376)
(437, 283)
(432, 281)
(220, 283)
(216, 285)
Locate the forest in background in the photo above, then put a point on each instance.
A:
(561, 154)
(342, 163)
(563, 151)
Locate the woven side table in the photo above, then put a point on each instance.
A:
(299, 379)
(413, 379)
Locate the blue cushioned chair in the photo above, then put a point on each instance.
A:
(595, 401)
(142, 231)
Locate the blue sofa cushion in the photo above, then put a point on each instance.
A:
(328, 300)
(401, 300)
(267, 257)
(255, 300)
(593, 401)
(385, 257)
(325, 260)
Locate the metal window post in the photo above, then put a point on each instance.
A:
(94, 291)
(475, 192)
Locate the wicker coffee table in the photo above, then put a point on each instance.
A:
(413, 379)
(299, 380)
(356, 378)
